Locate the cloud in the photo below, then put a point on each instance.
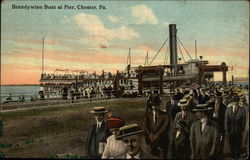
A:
(145, 48)
(143, 15)
(97, 31)
(65, 20)
(113, 19)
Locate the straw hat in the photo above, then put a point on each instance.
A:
(240, 95)
(183, 102)
(98, 110)
(129, 130)
(201, 107)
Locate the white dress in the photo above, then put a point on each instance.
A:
(114, 149)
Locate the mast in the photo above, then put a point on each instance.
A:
(195, 50)
(129, 58)
(146, 60)
(43, 58)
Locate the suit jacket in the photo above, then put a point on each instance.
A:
(235, 122)
(172, 109)
(204, 144)
(160, 128)
(189, 119)
(221, 117)
(143, 155)
(94, 138)
(181, 145)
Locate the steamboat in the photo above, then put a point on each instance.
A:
(135, 80)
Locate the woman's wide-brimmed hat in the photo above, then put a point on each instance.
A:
(99, 110)
(129, 130)
(115, 122)
(183, 102)
(202, 107)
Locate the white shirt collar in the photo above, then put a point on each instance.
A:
(137, 156)
(154, 112)
(203, 120)
(99, 123)
(234, 106)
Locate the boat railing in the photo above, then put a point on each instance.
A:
(70, 76)
(48, 99)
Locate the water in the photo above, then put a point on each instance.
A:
(16, 91)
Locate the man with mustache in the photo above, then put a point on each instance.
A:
(131, 136)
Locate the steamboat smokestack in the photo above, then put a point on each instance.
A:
(173, 44)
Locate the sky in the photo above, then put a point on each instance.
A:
(99, 39)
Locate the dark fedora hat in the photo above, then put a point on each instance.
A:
(235, 99)
(201, 107)
(218, 94)
(129, 130)
(99, 110)
(155, 101)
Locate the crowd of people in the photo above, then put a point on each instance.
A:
(76, 75)
(204, 122)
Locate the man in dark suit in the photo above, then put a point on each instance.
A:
(97, 134)
(149, 106)
(181, 143)
(131, 136)
(235, 120)
(204, 135)
(171, 106)
(156, 124)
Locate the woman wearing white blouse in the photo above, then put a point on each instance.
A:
(115, 148)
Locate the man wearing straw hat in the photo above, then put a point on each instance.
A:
(97, 134)
(184, 114)
(156, 126)
(204, 135)
(131, 136)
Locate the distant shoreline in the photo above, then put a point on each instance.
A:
(20, 85)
